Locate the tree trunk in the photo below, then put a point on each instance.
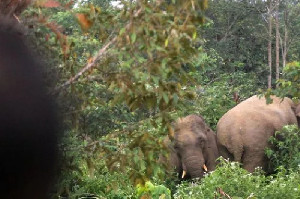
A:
(277, 38)
(284, 53)
(270, 44)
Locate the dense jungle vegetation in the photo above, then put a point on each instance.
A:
(122, 71)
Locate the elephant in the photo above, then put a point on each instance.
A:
(297, 112)
(243, 132)
(192, 148)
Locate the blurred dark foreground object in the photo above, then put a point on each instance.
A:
(13, 7)
(28, 122)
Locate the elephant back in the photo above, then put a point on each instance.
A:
(243, 132)
(256, 110)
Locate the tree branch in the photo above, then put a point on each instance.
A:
(103, 51)
(88, 66)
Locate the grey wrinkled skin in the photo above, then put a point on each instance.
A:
(193, 145)
(243, 132)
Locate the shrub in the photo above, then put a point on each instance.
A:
(102, 183)
(283, 184)
(108, 185)
(153, 191)
(285, 149)
(229, 180)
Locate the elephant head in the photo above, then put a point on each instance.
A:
(194, 147)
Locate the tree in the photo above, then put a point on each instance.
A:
(277, 37)
(270, 22)
(236, 31)
(284, 43)
(122, 81)
(124, 73)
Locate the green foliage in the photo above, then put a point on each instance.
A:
(290, 83)
(158, 69)
(145, 71)
(218, 97)
(135, 151)
(236, 31)
(142, 70)
(216, 92)
(231, 181)
(152, 191)
(215, 88)
(281, 185)
(70, 173)
(228, 177)
(110, 186)
(293, 28)
(101, 183)
(151, 52)
(285, 149)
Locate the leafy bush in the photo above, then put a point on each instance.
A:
(229, 178)
(281, 185)
(153, 191)
(115, 185)
(286, 148)
(103, 183)
(215, 98)
(231, 181)
(290, 83)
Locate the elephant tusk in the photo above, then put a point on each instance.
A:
(205, 168)
(183, 174)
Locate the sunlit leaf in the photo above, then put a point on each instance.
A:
(164, 62)
(195, 35)
(122, 31)
(165, 97)
(133, 37)
(69, 4)
(166, 42)
(204, 4)
(175, 98)
(50, 4)
(84, 21)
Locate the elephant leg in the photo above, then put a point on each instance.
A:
(254, 158)
(236, 152)
(230, 146)
(225, 153)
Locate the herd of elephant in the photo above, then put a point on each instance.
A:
(242, 135)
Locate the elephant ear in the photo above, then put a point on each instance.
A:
(211, 151)
(297, 113)
(170, 159)
(171, 131)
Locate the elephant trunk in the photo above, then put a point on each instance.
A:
(194, 166)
